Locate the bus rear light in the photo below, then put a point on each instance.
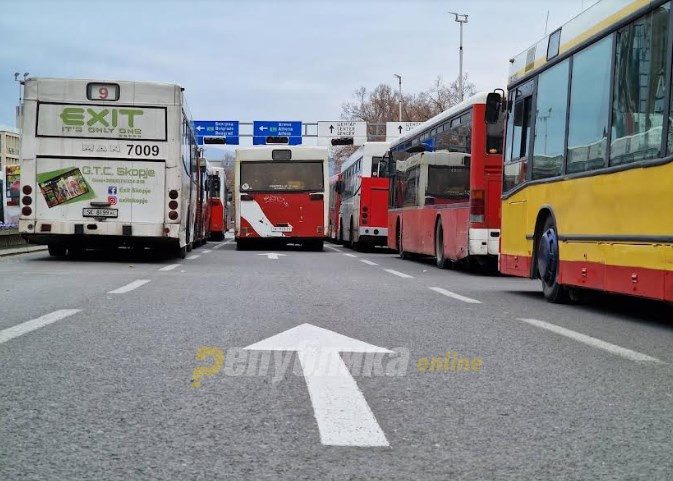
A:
(26, 211)
(45, 228)
(246, 197)
(477, 206)
(173, 194)
(27, 190)
(365, 209)
(319, 229)
(315, 196)
(173, 215)
(173, 205)
(26, 200)
(167, 230)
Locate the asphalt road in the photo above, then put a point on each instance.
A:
(98, 385)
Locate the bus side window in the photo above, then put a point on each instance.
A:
(518, 136)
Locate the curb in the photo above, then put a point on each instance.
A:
(21, 250)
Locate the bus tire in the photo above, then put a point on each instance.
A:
(400, 248)
(341, 235)
(56, 250)
(181, 252)
(547, 258)
(315, 245)
(440, 257)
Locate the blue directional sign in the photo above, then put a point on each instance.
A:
(224, 129)
(262, 130)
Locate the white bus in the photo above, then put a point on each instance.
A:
(363, 215)
(282, 195)
(107, 163)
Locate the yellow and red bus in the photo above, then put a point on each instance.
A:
(588, 155)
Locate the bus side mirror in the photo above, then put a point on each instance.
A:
(493, 107)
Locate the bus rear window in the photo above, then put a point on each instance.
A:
(448, 182)
(281, 176)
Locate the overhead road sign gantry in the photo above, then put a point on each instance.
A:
(276, 132)
(342, 132)
(217, 131)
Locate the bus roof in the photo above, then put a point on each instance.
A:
(374, 149)
(441, 158)
(52, 89)
(591, 23)
(479, 98)
(264, 152)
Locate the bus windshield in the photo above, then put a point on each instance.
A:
(448, 182)
(281, 176)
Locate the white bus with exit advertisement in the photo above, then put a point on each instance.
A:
(107, 163)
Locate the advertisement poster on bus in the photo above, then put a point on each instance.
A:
(101, 122)
(120, 190)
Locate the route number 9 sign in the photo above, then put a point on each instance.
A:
(98, 91)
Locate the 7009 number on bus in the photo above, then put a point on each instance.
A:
(143, 150)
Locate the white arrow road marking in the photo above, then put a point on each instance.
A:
(272, 255)
(129, 287)
(453, 295)
(398, 274)
(28, 326)
(344, 418)
(169, 267)
(592, 341)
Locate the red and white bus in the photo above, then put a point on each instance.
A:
(363, 216)
(107, 163)
(217, 185)
(281, 194)
(334, 206)
(445, 187)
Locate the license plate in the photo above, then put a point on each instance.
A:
(92, 212)
(281, 229)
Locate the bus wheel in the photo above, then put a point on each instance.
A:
(442, 262)
(400, 248)
(341, 235)
(548, 264)
(76, 251)
(56, 250)
(316, 245)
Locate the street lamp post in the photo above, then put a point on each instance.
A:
(461, 19)
(399, 78)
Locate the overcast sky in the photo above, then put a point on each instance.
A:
(268, 60)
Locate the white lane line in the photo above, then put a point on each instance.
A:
(195, 256)
(169, 267)
(350, 255)
(28, 326)
(217, 246)
(453, 295)
(592, 341)
(333, 248)
(206, 251)
(369, 263)
(129, 287)
(398, 274)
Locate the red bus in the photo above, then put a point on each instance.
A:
(281, 195)
(218, 198)
(363, 216)
(334, 206)
(202, 221)
(445, 187)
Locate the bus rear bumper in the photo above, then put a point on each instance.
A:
(42, 232)
(484, 242)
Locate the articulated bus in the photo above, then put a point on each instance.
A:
(107, 163)
(363, 216)
(282, 195)
(334, 207)
(589, 155)
(445, 178)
